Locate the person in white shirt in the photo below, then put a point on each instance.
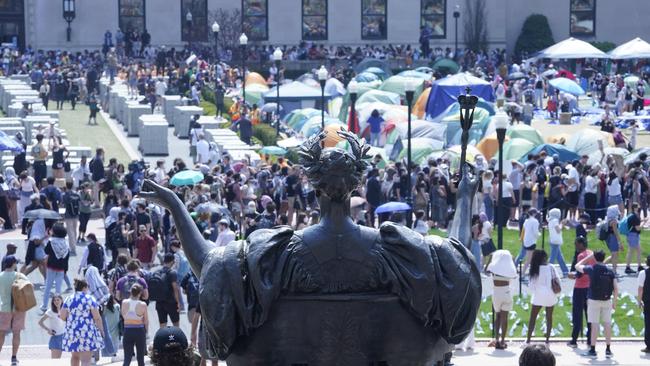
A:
(529, 236)
(556, 240)
(160, 176)
(161, 89)
(508, 201)
(203, 150)
(54, 326)
(81, 173)
(591, 194)
(225, 234)
(573, 188)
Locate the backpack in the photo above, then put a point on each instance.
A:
(230, 192)
(265, 222)
(72, 204)
(623, 226)
(125, 291)
(22, 294)
(159, 288)
(602, 284)
(602, 229)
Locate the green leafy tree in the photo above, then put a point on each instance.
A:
(476, 32)
(535, 35)
(604, 46)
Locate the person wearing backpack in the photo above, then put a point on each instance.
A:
(71, 202)
(644, 301)
(164, 290)
(602, 295)
(632, 225)
(124, 284)
(10, 320)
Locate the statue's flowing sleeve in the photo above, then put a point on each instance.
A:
(239, 282)
(435, 277)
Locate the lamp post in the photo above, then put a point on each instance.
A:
(409, 91)
(322, 78)
(188, 20)
(353, 89)
(456, 16)
(215, 32)
(501, 124)
(277, 57)
(243, 41)
(69, 13)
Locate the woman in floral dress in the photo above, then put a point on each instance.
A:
(83, 325)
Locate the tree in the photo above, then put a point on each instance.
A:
(230, 27)
(535, 35)
(476, 33)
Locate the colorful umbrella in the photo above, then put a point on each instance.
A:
(186, 178)
(567, 86)
(392, 207)
(273, 150)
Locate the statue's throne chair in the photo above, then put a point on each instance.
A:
(343, 330)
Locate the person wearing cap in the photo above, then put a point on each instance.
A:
(170, 348)
(10, 320)
(225, 234)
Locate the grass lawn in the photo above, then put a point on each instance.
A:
(512, 243)
(627, 319)
(80, 134)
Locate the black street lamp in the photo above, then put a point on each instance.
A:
(456, 16)
(69, 13)
(188, 20)
(501, 124)
(353, 89)
(409, 91)
(215, 32)
(243, 42)
(277, 57)
(322, 79)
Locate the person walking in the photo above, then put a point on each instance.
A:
(503, 271)
(633, 223)
(58, 253)
(93, 255)
(125, 283)
(144, 247)
(44, 93)
(164, 290)
(580, 292)
(613, 241)
(85, 210)
(644, 302)
(98, 174)
(136, 323)
(71, 203)
(542, 275)
(602, 295)
(529, 236)
(556, 240)
(11, 320)
(54, 327)
(83, 325)
(39, 153)
(245, 127)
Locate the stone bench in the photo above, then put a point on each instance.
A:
(182, 117)
(169, 102)
(153, 136)
(134, 112)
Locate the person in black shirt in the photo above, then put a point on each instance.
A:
(291, 184)
(245, 127)
(142, 217)
(373, 195)
(633, 238)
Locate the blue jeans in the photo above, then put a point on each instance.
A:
(476, 252)
(374, 138)
(51, 278)
(557, 253)
(489, 207)
(521, 255)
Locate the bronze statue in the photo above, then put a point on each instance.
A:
(335, 293)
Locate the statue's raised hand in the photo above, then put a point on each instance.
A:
(152, 191)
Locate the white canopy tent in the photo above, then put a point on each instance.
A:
(571, 48)
(636, 48)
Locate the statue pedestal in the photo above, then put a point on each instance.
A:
(339, 329)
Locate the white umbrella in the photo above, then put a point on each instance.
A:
(571, 48)
(636, 48)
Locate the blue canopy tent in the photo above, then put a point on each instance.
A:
(296, 95)
(8, 143)
(563, 153)
(445, 92)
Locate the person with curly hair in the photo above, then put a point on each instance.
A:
(170, 348)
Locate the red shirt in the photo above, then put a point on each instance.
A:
(145, 246)
(583, 281)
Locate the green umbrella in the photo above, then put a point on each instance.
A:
(515, 148)
(273, 150)
(525, 132)
(446, 66)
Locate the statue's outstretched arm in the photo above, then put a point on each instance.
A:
(195, 247)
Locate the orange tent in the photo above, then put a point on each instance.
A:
(420, 107)
(489, 146)
(255, 78)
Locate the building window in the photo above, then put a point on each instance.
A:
(314, 20)
(255, 15)
(583, 18)
(11, 6)
(199, 25)
(433, 17)
(373, 19)
(132, 15)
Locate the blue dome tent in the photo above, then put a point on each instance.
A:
(445, 92)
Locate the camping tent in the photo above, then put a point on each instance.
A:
(525, 132)
(373, 62)
(571, 48)
(636, 48)
(445, 92)
(378, 96)
(295, 95)
(421, 148)
(489, 146)
(476, 132)
(397, 84)
(254, 78)
(564, 154)
(587, 141)
(297, 118)
(419, 128)
(516, 148)
(421, 104)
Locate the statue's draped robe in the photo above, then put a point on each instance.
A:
(435, 278)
